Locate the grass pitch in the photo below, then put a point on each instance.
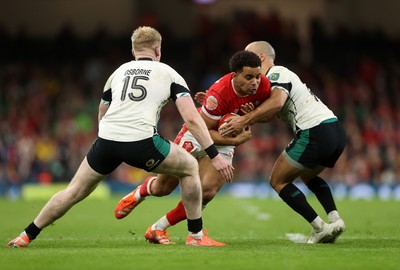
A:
(261, 234)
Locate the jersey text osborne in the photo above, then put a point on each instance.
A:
(137, 71)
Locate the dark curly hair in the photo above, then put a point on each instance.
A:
(244, 59)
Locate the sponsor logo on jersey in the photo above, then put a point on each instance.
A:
(274, 76)
(211, 103)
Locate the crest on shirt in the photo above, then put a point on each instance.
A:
(274, 76)
(188, 146)
(211, 103)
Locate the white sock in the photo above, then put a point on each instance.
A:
(317, 224)
(161, 224)
(197, 235)
(333, 216)
(137, 195)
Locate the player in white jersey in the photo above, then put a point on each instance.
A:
(128, 115)
(319, 141)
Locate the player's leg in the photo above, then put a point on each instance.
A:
(282, 177)
(183, 165)
(157, 232)
(155, 186)
(158, 186)
(323, 193)
(94, 167)
(82, 184)
(329, 140)
(211, 181)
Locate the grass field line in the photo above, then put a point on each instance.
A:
(255, 211)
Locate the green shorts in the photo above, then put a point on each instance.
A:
(321, 145)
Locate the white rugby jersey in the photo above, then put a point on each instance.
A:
(139, 90)
(302, 109)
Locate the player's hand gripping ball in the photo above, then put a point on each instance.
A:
(222, 123)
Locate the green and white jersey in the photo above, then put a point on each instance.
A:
(137, 91)
(302, 109)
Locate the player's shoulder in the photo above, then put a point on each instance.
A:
(275, 73)
(222, 85)
(219, 94)
(222, 82)
(277, 69)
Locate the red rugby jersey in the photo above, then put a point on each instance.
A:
(222, 99)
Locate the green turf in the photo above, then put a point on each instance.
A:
(89, 237)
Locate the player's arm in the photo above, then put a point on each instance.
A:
(234, 141)
(212, 126)
(268, 109)
(263, 113)
(106, 98)
(104, 103)
(103, 107)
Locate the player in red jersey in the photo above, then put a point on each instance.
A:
(237, 92)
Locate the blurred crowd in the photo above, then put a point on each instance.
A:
(50, 89)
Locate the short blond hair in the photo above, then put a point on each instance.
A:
(145, 37)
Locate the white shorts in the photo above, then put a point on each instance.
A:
(186, 140)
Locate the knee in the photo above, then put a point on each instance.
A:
(208, 194)
(275, 184)
(194, 169)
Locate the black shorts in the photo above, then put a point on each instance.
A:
(105, 156)
(318, 146)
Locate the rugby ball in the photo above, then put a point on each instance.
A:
(222, 122)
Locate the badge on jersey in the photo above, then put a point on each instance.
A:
(188, 146)
(211, 103)
(150, 162)
(274, 76)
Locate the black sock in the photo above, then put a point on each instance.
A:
(293, 197)
(323, 193)
(32, 231)
(195, 225)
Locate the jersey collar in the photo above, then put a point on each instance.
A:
(144, 59)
